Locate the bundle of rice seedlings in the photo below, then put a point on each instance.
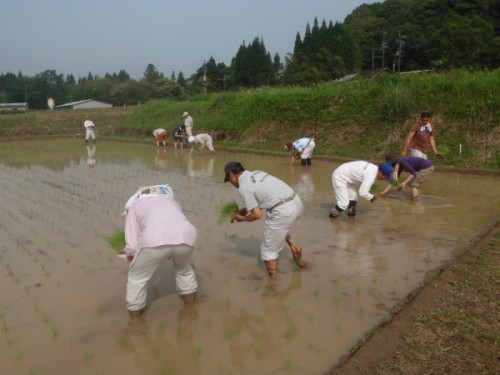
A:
(443, 150)
(227, 212)
(374, 189)
(396, 184)
(117, 241)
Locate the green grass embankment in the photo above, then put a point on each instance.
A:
(359, 119)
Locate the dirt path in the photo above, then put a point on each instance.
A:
(449, 326)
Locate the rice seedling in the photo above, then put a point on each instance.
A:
(32, 371)
(374, 279)
(117, 241)
(443, 150)
(338, 327)
(55, 331)
(198, 350)
(288, 334)
(396, 184)
(229, 333)
(358, 291)
(227, 212)
(375, 189)
(316, 292)
(257, 350)
(19, 354)
(289, 365)
(87, 356)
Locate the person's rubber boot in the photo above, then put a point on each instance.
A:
(189, 299)
(351, 209)
(309, 161)
(303, 162)
(335, 212)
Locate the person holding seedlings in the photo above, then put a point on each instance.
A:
(188, 123)
(354, 179)
(262, 192)
(302, 148)
(204, 139)
(178, 135)
(160, 135)
(418, 168)
(421, 134)
(89, 129)
(156, 229)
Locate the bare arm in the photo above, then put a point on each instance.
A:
(255, 214)
(407, 142)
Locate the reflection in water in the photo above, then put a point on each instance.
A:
(261, 336)
(161, 157)
(159, 353)
(304, 186)
(91, 160)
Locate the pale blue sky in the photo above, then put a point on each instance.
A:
(105, 36)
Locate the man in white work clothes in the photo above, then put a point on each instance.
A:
(262, 192)
(188, 123)
(354, 175)
(89, 129)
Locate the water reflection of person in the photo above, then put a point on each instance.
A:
(269, 331)
(305, 186)
(161, 157)
(91, 160)
(178, 353)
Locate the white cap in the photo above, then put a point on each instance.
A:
(185, 114)
(191, 139)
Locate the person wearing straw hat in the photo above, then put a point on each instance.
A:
(204, 139)
(354, 179)
(89, 129)
(188, 123)
(261, 193)
(421, 135)
(156, 229)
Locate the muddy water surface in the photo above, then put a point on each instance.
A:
(63, 311)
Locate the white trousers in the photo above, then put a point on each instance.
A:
(418, 153)
(276, 227)
(308, 151)
(146, 263)
(89, 133)
(344, 192)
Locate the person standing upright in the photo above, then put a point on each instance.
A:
(421, 134)
(89, 129)
(188, 123)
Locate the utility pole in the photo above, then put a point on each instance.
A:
(384, 33)
(205, 78)
(401, 43)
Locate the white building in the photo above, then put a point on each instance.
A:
(84, 104)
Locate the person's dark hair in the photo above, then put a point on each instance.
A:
(288, 146)
(392, 158)
(425, 114)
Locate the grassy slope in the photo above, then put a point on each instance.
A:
(360, 119)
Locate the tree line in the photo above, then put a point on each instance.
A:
(399, 35)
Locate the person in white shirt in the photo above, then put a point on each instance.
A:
(354, 175)
(156, 229)
(302, 148)
(188, 123)
(89, 129)
(262, 192)
(204, 139)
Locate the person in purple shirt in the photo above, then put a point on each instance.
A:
(418, 168)
(156, 229)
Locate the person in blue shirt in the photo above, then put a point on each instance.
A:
(302, 148)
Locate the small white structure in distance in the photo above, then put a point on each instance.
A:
(84, 104)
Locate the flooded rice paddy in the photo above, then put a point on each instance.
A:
(63, 288)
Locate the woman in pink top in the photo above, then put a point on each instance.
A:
(156, 229)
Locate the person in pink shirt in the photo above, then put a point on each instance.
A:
(156, 229)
